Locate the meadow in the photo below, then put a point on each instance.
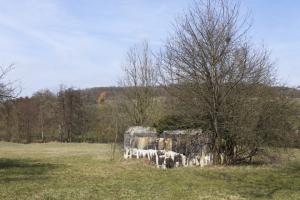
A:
(85, 171)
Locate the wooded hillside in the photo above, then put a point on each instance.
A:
(74, 115)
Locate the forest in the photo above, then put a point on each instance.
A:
(76, 115)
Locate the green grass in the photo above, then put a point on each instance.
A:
(84, 171)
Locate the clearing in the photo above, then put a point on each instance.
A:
(84, 171)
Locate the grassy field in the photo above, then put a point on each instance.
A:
(84, 171)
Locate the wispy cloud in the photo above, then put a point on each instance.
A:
(82, 43)
(77, 43)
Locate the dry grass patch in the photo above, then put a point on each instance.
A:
(85, 171)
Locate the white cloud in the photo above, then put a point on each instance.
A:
(82, 43)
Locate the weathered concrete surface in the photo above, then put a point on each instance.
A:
(174, 149)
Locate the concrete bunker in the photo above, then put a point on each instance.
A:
(170, 149)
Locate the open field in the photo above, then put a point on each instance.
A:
(84, 171)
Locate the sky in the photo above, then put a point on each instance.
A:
(82, 43)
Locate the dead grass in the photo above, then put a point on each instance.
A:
(84, 171)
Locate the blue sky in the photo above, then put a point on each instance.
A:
(82, 43)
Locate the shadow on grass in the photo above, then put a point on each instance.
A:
(23, 169)
(294, 168)
(261, 182)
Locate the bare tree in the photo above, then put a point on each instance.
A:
(45, 101)
(27, 114)
(8, 117)
(7, 91)
(210, 65)
(139, 82)
(71, 114)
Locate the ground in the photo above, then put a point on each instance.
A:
(85, 171)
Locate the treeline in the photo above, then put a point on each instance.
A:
(71, 115)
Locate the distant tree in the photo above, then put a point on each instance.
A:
(139, 82)
(7, 91)
(72, 116)
(102, 98)
(104, 119)
(45, 101)
(27, 114)
(8, 120)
